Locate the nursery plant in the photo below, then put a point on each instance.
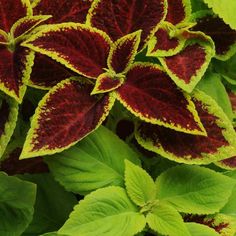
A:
(117, 117)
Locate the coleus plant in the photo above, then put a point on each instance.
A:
(171, 68)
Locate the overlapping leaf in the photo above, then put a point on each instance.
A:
(217, 145)
(64, 116)
(148, 84)
(119, 18)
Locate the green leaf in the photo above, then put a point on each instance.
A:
(53, 205)
(139, 184)
(198, 5)
(105, 212)
(95, 162)
(225, 9)
(165, 220)
(200, 230)
(194, 189)
(17, 199)
(53, 234)
(217, 92)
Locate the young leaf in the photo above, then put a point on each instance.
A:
(81, 48)
(151, 95)
(225, 11)
(119, 18)
(107, 211)
(95, 162)
(53, 205)
(8, 119)
(186, 148)
(13, 10)
(64, 116)
(139, 184)
(200, 230)
(165, 220)
(193, 189)
(17, 199)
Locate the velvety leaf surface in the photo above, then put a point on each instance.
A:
(223, 36)
(63, 10)
(107, 211)
(80, 48)
(17, 200)
(217, 145)
(151, 95)
(53, 205)
(178, 11)
(8, 118)
(123, 52)
(119, 18)
(95, 162)
(193, 189)
(11, 11)
(106, 83)
(165, 220)
(187, 67)
(200, 230)
(64, 116)
(46, 72)
(25, 24)
(139, 184)
(15, 71)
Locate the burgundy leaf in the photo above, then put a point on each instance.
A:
(65, 115)
(64, 10)
(119, 18)
(151, 95)
(11, 11)
(79, 47)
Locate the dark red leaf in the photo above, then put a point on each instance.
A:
(119, 18)
(11, 11)
(63, 10)
(64, 116)
(151, 95)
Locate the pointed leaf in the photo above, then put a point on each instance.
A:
(66, 11)
(223, 36)
(107, 211)
(95, 162)
(47, 72)
(147, 88)
(80, 48)
(8, 118)
(228, 164)
(225, 11)
(178, 11)
(185, 148)
(165, 220)
(17, 200)
(15, 71)
(162, 45)
(194, 189)
(13, 10)
(106, 83)
(139, 184)
(187, 67)
(200, 230)
(123, 52)
(119, 18)
(26, 24)
(64, 116)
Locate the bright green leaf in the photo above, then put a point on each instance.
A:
(165, 220)
(200, 230)
(194, 189)
(105, 212)
(139, 184)
(17, 200)
(95, 162)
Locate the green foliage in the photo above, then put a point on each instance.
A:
(17, 200)
(200, 230)
(192, 189)
(95, 162)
